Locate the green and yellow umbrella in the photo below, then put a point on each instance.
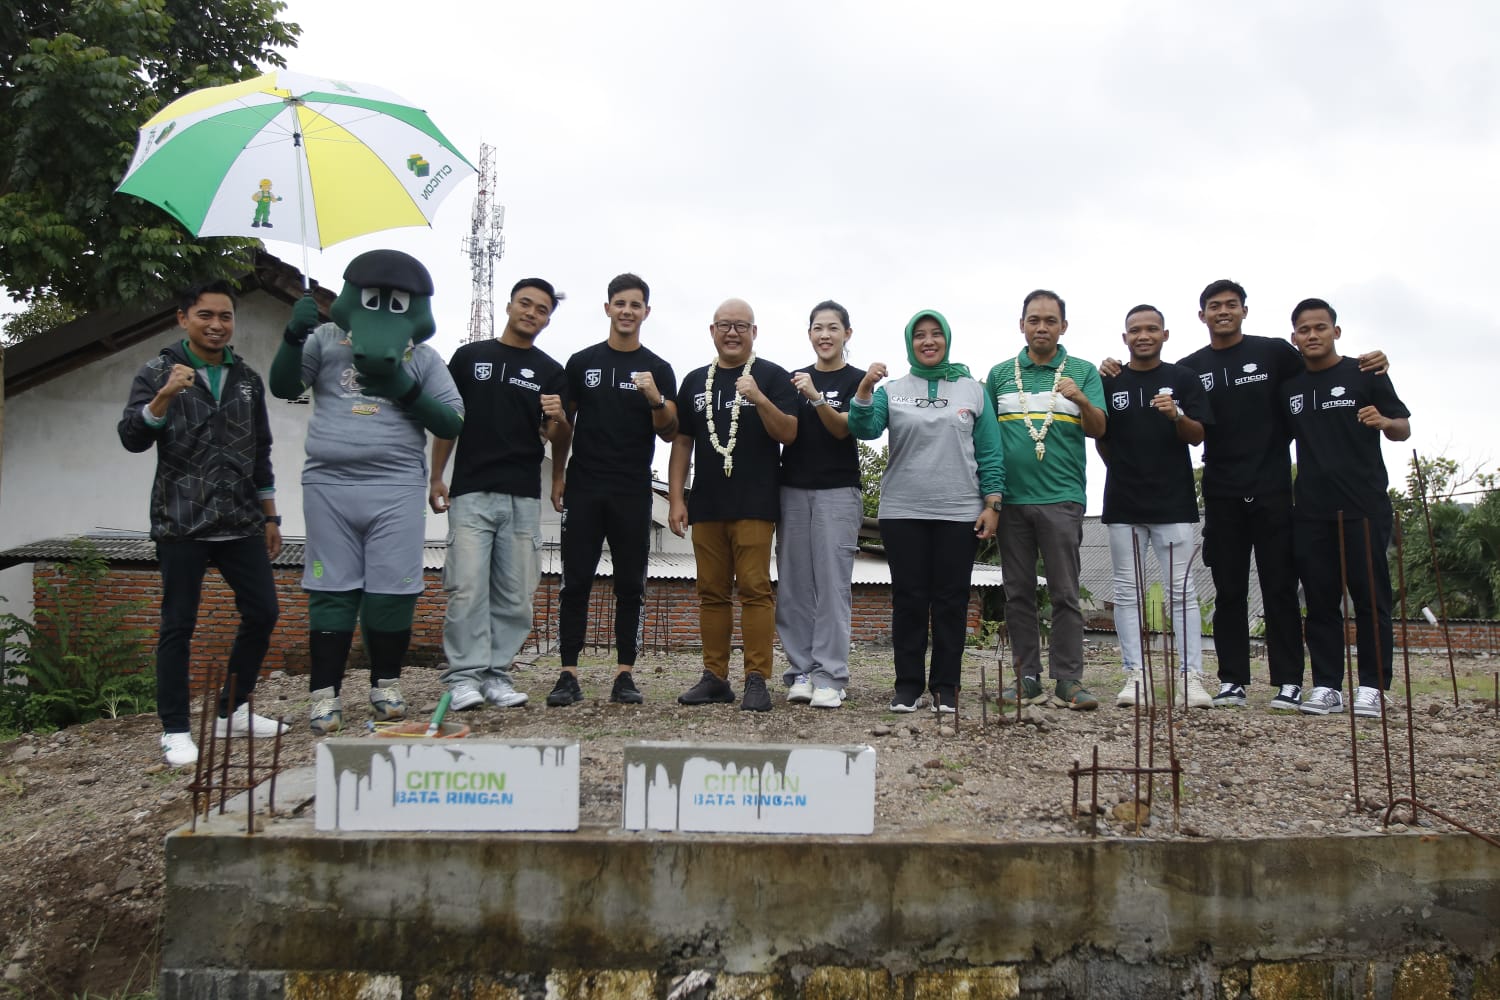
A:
(293, 157)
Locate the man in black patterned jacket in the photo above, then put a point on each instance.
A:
(213, 501)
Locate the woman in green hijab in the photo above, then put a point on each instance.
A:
(939, 496)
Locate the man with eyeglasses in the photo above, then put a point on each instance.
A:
(1047, 402)
(735, 413)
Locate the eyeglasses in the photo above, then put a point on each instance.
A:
(723, 326)
(937, 403)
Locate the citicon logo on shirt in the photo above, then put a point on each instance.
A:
(1336, 391)
(527, 373)
(1250, 368)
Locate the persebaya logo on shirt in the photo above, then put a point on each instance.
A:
(1120, 400)
(593, 377)
(1207, 378)
(1296, 402)
(483, 370)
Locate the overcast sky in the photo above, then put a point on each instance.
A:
(901, 156)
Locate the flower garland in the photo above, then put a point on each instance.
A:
(727, 450)
(1039, 436)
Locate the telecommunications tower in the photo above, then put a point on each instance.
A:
(484, 245)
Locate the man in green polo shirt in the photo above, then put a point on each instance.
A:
(1047, 402)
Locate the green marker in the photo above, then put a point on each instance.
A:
(437, 716)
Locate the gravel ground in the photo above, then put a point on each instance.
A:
(83, 811)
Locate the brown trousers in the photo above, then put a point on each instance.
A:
(735, 556)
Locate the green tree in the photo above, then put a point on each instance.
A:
(43, 313)
(77, 79)
(1465, 540)
(871, 467)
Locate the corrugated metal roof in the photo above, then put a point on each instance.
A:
(869, 568)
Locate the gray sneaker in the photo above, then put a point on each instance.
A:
(1323, 701)
(386, 702)
(327, 713)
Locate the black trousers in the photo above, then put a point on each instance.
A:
(931, 562)
(1233, 528)
(1318, 566)
(246, 567)
(589, 520)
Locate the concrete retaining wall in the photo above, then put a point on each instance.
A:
(290, 913)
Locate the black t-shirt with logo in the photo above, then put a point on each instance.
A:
(500, 447)
(1339, 466)
(1245, 451)
(613, 442)
(1150, 478)
(817, 460)
(753, 488)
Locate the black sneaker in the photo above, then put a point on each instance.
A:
(565, 692)
(709, 690)
(1288, 699)
(757, 698)
(625, 692)
(1230, 696)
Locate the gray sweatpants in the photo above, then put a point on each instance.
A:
(815, 545)
(1053, 531)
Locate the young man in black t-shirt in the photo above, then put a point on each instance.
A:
(735, 413)
(1337, 415)
(620, 396)
(513, 394)
(1247, 498)
(1156, 411)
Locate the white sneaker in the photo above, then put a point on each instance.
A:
(1367, 702)
(503, 694)
(827, 697)
(243, 722)
(801, 689)
(327, 713)
(1135, 684)
(465, 696)
(1323, 701)
(178, 749)
(1197, 697)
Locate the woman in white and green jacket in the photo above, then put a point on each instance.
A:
(939, 496)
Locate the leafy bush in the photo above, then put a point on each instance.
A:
(80, 658)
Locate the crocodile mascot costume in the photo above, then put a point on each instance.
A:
(377, 390)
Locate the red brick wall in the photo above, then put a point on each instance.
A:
(671, 616)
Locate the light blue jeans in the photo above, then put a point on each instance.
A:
(490, 576)
(1173, 545)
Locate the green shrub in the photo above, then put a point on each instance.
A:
(81, 659)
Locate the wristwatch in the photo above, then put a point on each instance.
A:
(660, 404)
(274, 519)
(994, 505)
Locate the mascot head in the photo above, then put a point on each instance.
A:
(386, 307)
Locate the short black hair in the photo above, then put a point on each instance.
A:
(1042, 293)
(189, 296)
(624, 283)
(1219, 287)
(1144, 308)
(1307, 305)
(541, 285)
(825, 306)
